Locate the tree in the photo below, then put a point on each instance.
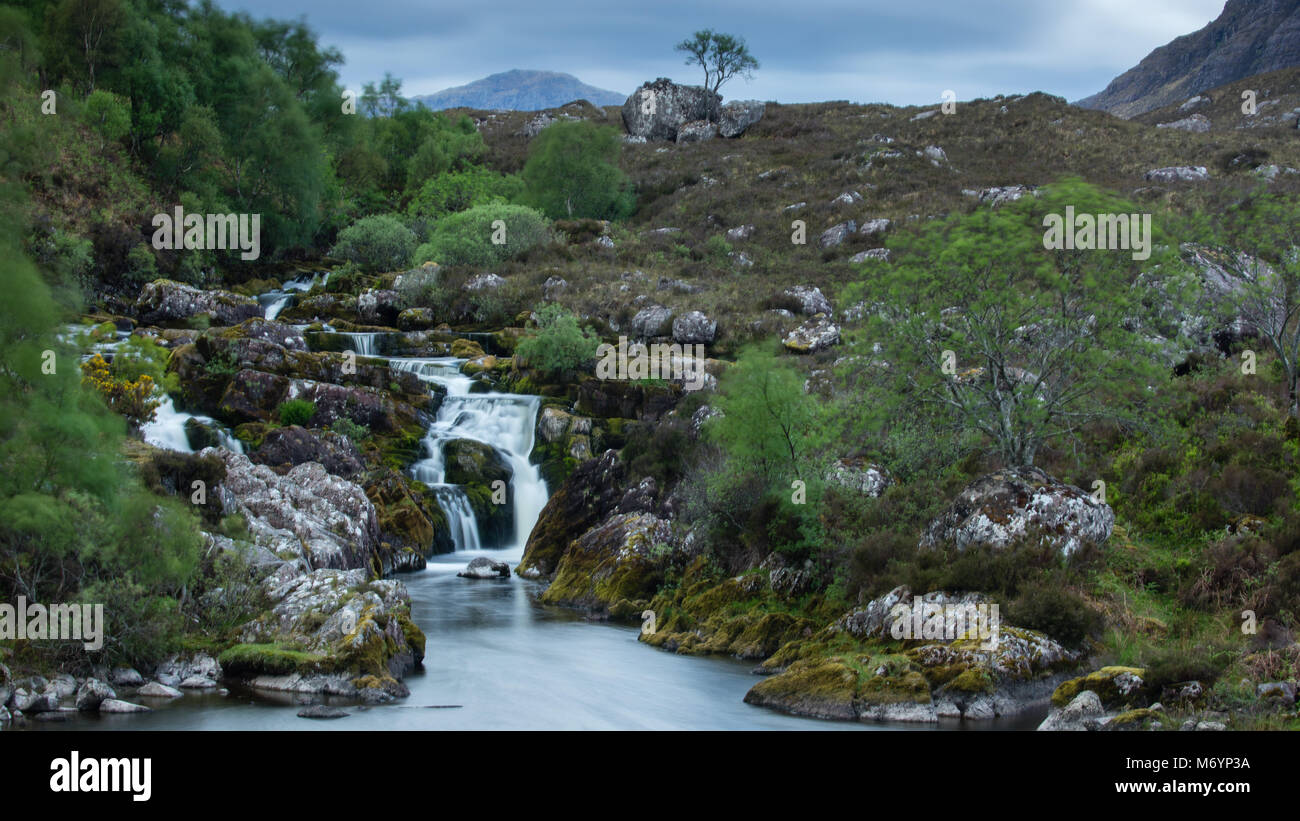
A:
(986, 328)
(1255, 243)
(722, 56)
(572, 172)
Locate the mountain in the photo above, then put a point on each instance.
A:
(521, 90)
(1249, 37)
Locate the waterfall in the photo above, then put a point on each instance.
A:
(273, 302)
(167, 430)
(363, 344)
(504, 421)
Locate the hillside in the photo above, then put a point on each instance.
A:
(1225, 109)
(520, 90)
(1249, 37)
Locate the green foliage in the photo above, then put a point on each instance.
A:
(141, 356)
(378, 243)
(572, 172)
(346, 427)
(140, 264)
(467, 238)
(108, 114)
(722, 56)
(454, 191)
(296, 411)
(559, 345)
(1060, 613)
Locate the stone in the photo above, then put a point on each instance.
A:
(285, 448)
(874, 226)
(484, 568)
(1197, 124)
(873, 255)
(553, 287)
(860, 475)
(694, 328)
(166, 301)
(198, 683)
(650, 322)
(740, 232)
(112, 705)
(999, 508)
(696, 131)
(1178, 173)
(92, 693)
(1084, 712)
(836, 234)
(156, 689)
(816, 334)
(658, 109)
(480, 282)
(999, 195)
(810, 299)
(738, 115)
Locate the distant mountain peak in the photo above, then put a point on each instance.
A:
(1250, 37)
(521, 90)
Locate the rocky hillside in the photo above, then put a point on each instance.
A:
(519, 90)
(1249, 37)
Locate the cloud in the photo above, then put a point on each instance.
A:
(810, 50)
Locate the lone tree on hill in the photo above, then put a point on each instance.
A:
(722, 56)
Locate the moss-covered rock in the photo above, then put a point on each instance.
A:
(1113, 685)
(818, 689)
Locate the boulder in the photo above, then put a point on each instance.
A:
(1084, 712)
(809, 299)
(553, 287)
(125, 677)
(738, 115)
(484, 568)
(1197, 124)
(651, 322)
(471, 462)
(657, 110)
(836, 234)
(872, 255)
(874, 226)
(163, 301)
(92, 693)
(693, 328)
(378, 307)
(416, 319)
(307, 515)
(481, 282)
(860, 475)
(284, 448)
(622, 557)
(1001, 508)
(999, 195)
(696, 131)
(1178, 173)
(740, 232)
(156, 689)
(816, 334)
(593, 490)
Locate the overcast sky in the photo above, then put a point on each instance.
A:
(897, 51)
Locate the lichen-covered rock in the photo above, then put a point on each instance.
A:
(378, 307)
(696, 131)
(657, 110)
(738, 115)
(1003, 507)
(1178, 173)
(1197, 124)
(1083, 712)
(592, 491)
(809, 299)
(650, 322)
(816, 334)
(620, 558)
(694, 328)
(825, 689)
(416, 319)
(860, 475)
(307, 515)
(486, 281)
(836, 234)
(1114, 685)
(164, 301)
(284, 448)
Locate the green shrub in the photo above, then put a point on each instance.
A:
(572, 172)
(141, 356)
(1058, 612)
(559, 344)
(108, 114)
(471, 238)
(140, 265)
(346, 427)
(297, 412)
(458, 191)
(376, 243)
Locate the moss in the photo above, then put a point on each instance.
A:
(972, 680)
(247, 660)
(909, 686)
(820, 689)
(1101, 682)
(1139, 719)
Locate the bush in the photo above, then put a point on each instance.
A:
(140, 265)
(458, 191)
(344, 426)
(377, 243)
(559, 345)
(468, 238)
(572, 172)
(297, 412)
(108, 114)
(1059, 613)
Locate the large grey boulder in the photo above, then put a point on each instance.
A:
(694, 328)
(810, 299)
(92, 693)
(166, 301)
(484, 568)
(696, 131)
(817, 334)
(653, 321)
(1178, 173)
(836, 234)
(1197, 124)
(738, 115)
(657, 110)
(1000, 508)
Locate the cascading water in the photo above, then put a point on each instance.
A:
(504, 421)
(363, 344)
(273, 302)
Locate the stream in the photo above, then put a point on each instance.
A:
(495, 658)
